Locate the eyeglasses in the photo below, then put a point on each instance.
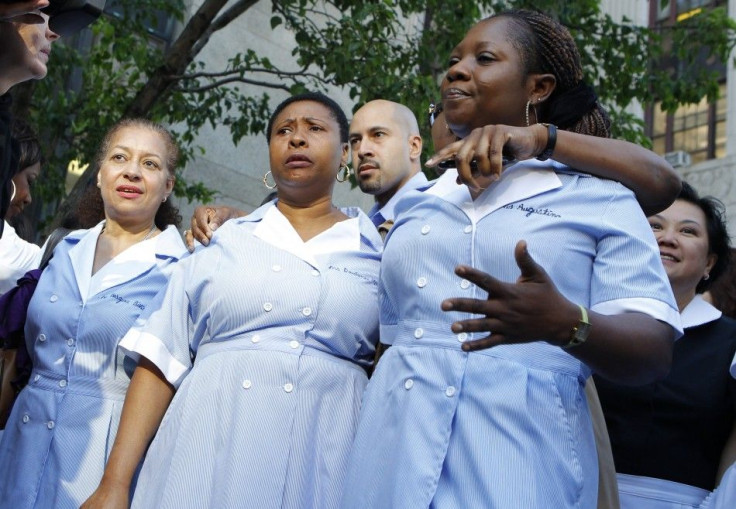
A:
(434, 111)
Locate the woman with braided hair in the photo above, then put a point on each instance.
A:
(467, 419)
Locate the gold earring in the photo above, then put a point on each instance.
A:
(345, 176)
(265, 180)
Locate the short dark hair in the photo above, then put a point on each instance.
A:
(331, 105)
(715, 224)
(28, 145)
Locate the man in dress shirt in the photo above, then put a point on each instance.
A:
(386, 149)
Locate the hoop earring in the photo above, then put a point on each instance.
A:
(526, 112)
(12, 194)
(706, 277)
(345, 176)
(265, 181)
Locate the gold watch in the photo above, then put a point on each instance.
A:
(580, 332)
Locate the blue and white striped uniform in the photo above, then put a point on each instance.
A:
(63, 424)
(506, 427)
(280, 331)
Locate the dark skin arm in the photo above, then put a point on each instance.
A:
(653, 180)
(631, 348)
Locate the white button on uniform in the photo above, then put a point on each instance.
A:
(294, 344)
(26, 418)
(418, 332)
(37, 378)
(464, 284)
(255, 339)
(462, 336)
(289, 387)
(425, 229)
(468, 229)
(247, 384)
(422, 282)
(53, 298)
(62, 383)
(42, 337)
(307, 311)
(276, 268)
(450, 391)
(315, 273)
(267, 306)
(408, 384)
(70, 341)
(50, 425)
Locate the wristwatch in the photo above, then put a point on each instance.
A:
(551, 142)
(580, 332)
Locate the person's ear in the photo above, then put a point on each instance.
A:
(712, 259)
(170, 185)
(541, 87)
(345, 158)
(415, 146)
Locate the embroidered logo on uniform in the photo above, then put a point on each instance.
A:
(528, 211)
(367, 279)
(118, 299)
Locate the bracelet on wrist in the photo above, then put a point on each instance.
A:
(580, 331)
(551, 142)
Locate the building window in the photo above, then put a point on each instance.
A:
(699, 129)
(160, 25)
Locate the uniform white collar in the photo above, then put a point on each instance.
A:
(276, 229)
(127, 265)
(698, 312)
(518, 182)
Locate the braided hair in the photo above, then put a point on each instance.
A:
(546, 47)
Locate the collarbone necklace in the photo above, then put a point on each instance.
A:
(148, 235)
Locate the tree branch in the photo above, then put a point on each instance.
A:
(277, 72)
(222, 21)
(234, 79)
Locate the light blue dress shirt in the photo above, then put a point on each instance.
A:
(387, 211)
(266, 338)
(506, 427)
(63, 424)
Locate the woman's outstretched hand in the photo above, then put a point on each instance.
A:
(488, 146)
(531, 309)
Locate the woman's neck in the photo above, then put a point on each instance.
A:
(683, 298)
(128, 232)
(115, 238)
(309, 220)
